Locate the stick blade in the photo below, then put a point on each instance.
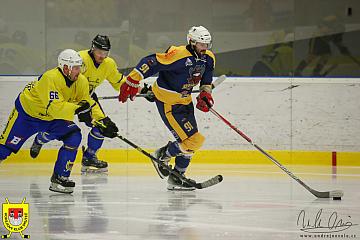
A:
(211, 182)
(331, 194)
(218, 81)
(336, 194)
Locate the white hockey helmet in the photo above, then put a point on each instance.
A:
(70, 58)
(199, 34)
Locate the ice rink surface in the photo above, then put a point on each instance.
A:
(131, 202)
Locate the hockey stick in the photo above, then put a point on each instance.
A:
(215, 83)
(336, 194)
(208, 183)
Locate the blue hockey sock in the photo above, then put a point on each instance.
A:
(65, 161)
(4, 152)
(173, 149)
(95, 141)
(182, 162)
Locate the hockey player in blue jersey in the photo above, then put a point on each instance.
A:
(180, 69)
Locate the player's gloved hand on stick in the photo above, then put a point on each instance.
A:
(108, 128)
(149, 93)
(84, 112)
(204, 101)
(128, 88)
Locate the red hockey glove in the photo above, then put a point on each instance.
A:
(128, 88)
(202, 99)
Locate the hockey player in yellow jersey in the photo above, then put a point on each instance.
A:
(48, 105)
(97, 66)
(180, 69)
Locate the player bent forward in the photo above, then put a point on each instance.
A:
(97, 66)
(180, 69)
(49, 105)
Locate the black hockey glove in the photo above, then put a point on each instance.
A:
(149, 93)
(108, 128)
(84, 112)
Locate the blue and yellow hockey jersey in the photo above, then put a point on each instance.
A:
(179, 71)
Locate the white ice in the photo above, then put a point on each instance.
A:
(131, 202)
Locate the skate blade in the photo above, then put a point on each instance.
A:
(91, 170)
(63, 198)
(60, 189)
(171, 187)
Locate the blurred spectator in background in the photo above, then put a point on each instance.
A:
(82, 38)
(277, 59)
(162, 43)
(81, 41)
(138, 45)
(102, 13)
(259, 15)
(16, 58)
(330, 33)
(4, 35)
(20, 37)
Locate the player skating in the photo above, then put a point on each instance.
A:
(97, 66)
(49, 105)
(180, 69)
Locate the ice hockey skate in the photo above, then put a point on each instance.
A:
(162, 156)
(35, 149)
(61, 184)
(93, 164)
(176, 184)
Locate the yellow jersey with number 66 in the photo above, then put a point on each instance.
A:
(54, 96)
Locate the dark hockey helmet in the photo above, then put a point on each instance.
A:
(101, 42)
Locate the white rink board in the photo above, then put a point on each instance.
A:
(319, 114)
